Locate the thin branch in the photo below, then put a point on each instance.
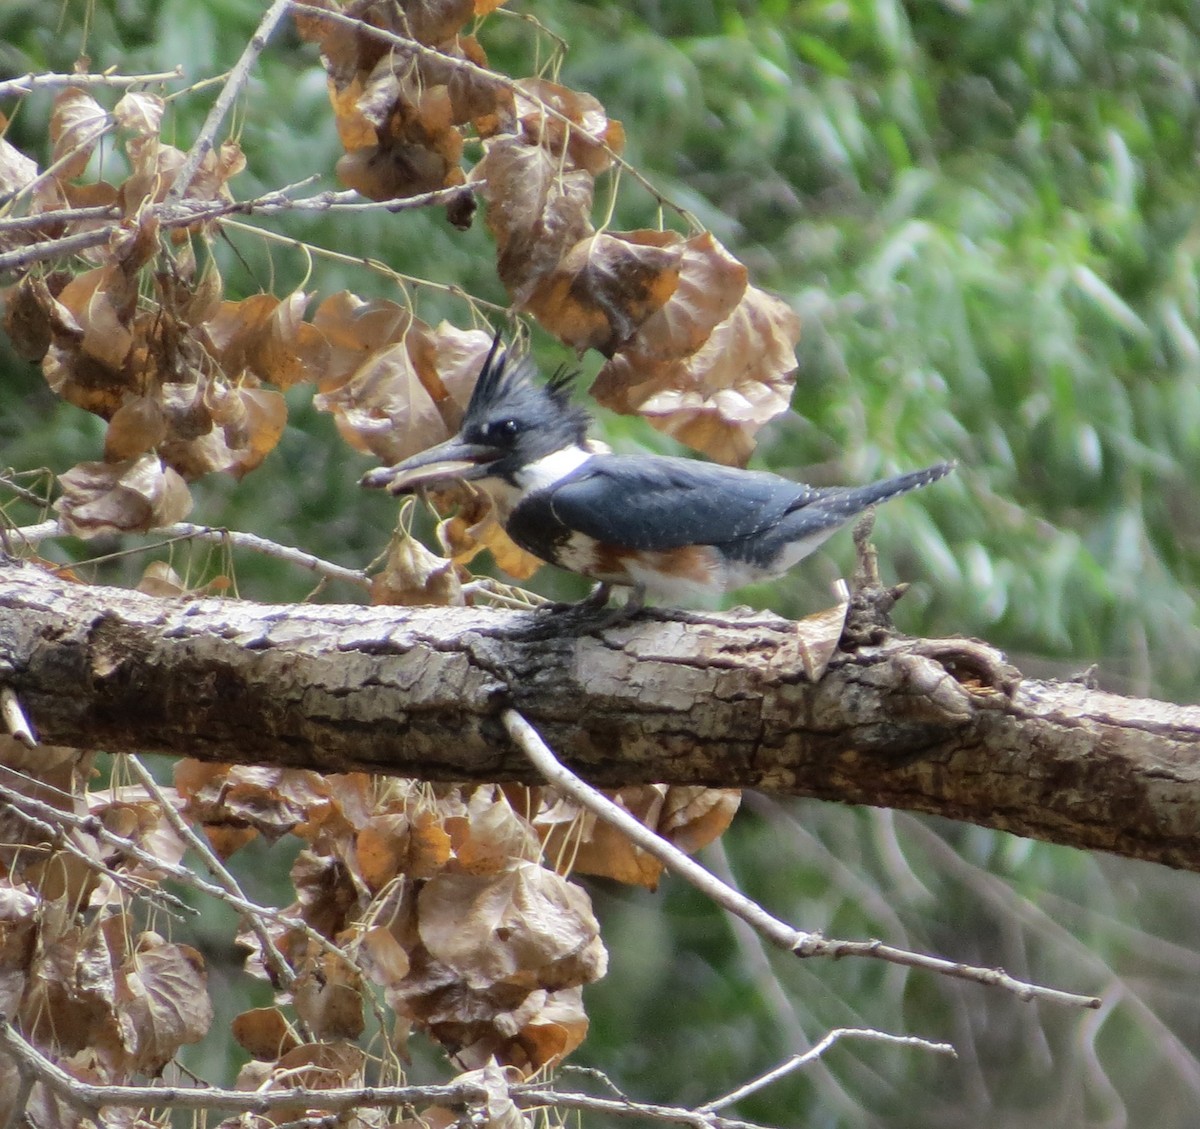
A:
(456, 1095)
(816, 1052)
(45, 816)
(284, 976)
(33, 535)
(183, 213)
(230, 92)
(779, 933)
(58, 216)
(58, 841)
(30, 82)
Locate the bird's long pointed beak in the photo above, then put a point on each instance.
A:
(454, 458)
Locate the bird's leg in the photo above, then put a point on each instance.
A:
(627, 611)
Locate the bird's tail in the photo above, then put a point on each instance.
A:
(849, 500)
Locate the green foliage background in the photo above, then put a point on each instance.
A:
(986, 215)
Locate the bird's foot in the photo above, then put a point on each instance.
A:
(594, 604)
(594, 601)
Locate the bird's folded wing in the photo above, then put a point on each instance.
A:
(654, 504)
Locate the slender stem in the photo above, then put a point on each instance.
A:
(779, 933)
(27, 83)
(285, 977)
(238, 77)
(816, 1051)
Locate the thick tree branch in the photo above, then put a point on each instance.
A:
(935, 726)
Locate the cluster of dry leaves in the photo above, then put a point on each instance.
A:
(448, 906)
(191, 382)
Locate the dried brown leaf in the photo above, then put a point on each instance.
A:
(500, 1111)
(524, 925)
(590, 139)
(77, 123)
(393, 844)
(396, 170)
(414, 576)
(161, 1001)
(137, 426)
(102, 303)
(19, 936)
(139, 111)
(264, 1033)
(17, 171)
(536, 211)
(739, 379)
(711, 283)
(475, 527)
(606, 286)
(126, 497)
(382, 957)
(491, 835)
(33, 318)
(353, 329)
(692, 816)
(328, 997)
(399, 399)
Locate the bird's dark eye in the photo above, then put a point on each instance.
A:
(504, 429)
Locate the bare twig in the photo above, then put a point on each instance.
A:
(30, 82)
(42, 815)
(815, 1052)
(183, 213)
(457, 1095)
(184, 530)
(272, 957)
(779, 933)
(230, 92)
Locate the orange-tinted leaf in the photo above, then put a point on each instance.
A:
(492, 835)
(264, 1033)
(399, 400)
(131, 496)
(102, 303)
(592, 846)
(692, 816)
(384, 408)
(382, 957)
(739, 379)
(606, 286)
(474, 527)
(590, 137)
(353, 329)
(137, 426)
(711, 283)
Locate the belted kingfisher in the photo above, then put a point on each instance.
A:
(675, 528)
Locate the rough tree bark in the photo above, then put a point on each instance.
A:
(941, 726)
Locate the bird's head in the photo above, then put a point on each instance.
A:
(510, 423)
